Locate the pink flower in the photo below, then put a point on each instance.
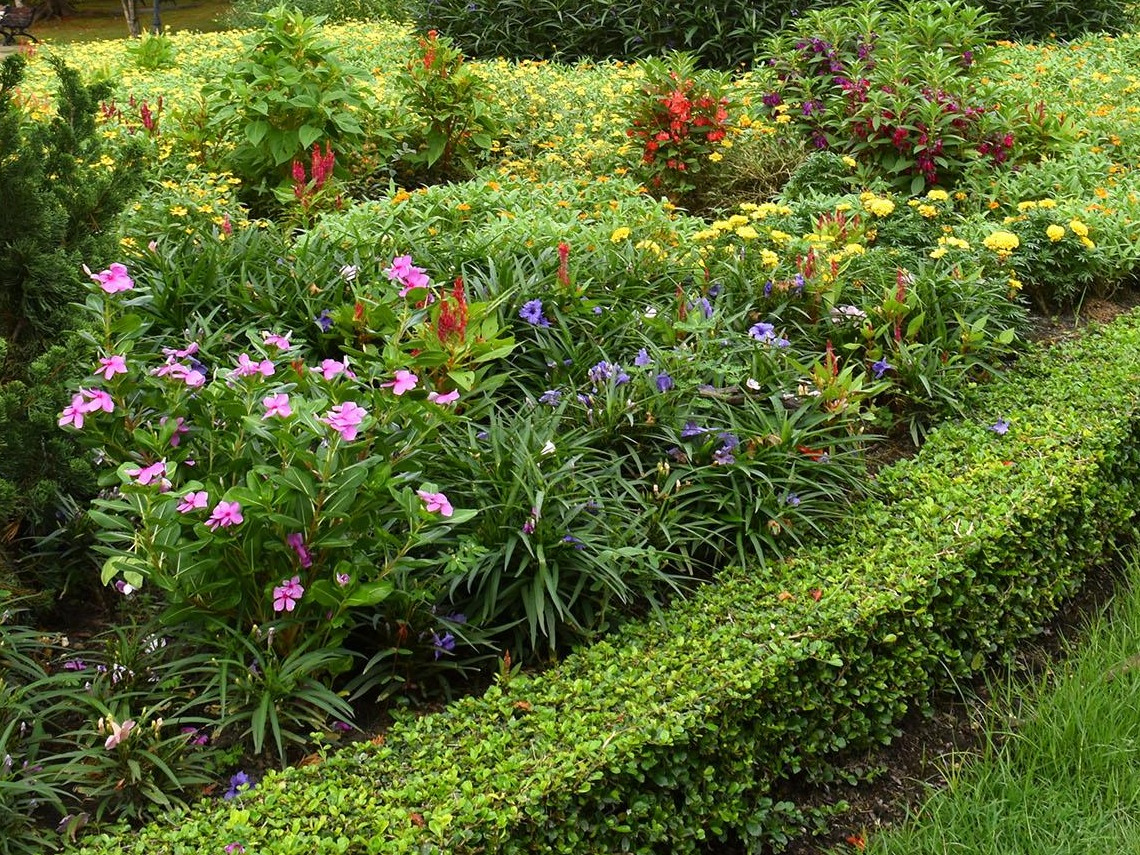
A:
(281, 342)
(297, 542)
(436, 503)
(343, 579)
(189, 350)
(112, 280)
(277, 405)
(286, 595)
(246, 367)
(405, 381)
(224, 515)
(445, 399)
(119, 733)
(330, 368)
(145, 474)
(180, 430)
(73, 413)
(192, 377)
(406, 274)
(109, 366)
(193, 501)
(345, 418)
(97, 399)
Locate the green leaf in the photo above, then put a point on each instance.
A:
(309, 135)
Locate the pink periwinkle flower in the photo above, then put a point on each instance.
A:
(73, 413)
(97, 399)
(281, 342)
(247, 367)
(345, 418)
(330, 368)
(287, 594)
(343, 579)
(113, 280)
(224, 515)
(436, 503)
(189, 350)
(109, 366)
(144, 475)
(405, 381)
(193, 501)
(277, 405)
(444, 399)
(180, 430)
(408, 275)
(296, 541)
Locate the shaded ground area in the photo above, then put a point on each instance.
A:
(93, 20)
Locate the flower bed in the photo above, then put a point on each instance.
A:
(683, 730)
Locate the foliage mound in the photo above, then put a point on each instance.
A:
(684, 730)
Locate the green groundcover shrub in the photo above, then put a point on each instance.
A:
(723, 34)
(684, 730)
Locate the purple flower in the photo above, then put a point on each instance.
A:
(723, 456)
(642, 359)
(442, 643)
(792, 499)
(296, 541)
(574, 541)
(341, 726)
(691, 429)
(768, 288)
(75, 665)
(1000, 427)
(531, 312)
(704, 305)
(324, 320)
(195, 737)
(881, 367)
(239, 783)
(550, 397)
(528, 526)
(664, 382)
(730, 440)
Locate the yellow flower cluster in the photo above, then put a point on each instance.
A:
(1055, 232)
(1002, 242)
(877, 205)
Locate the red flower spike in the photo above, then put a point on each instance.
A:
(564, 263)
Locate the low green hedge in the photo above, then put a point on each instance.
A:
(685, 730)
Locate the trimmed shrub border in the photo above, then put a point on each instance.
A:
(684, 730)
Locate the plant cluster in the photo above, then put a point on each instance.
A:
(679, 117)
(701, 719)
(899, 90)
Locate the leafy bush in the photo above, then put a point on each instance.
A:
(687, 729)
(899, 90)
(678, 116)
(60, 176)
(288, 92)
(246, 14)
(1062, 19)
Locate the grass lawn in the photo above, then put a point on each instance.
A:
(97, 20)
(1059, 774)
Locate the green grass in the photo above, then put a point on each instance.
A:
(1065, 779)
(97, 20)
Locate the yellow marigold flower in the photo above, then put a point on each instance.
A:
(1002, 242)
(1087, 242)
(849, 161)
(769, 259)
(745, 121)
(783, 119)
(1047, 203)
(778, 237)
(1079, 228)
(937, 195)
(854, 249)
(928, 211)
(1014, 285)
(737, 220)
(1026, 206)
(619, 235)
(716, 157)
(939, 252)
(178, 211)
(873, 204)
(721, 226)
(747, 233)
(705, 235)
(1055, 232)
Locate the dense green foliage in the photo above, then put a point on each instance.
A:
(683, 730)
(722, 34)
(61, 199)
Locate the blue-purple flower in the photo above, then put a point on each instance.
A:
(442, 643)
(642, 359)
(239, 783)
(664, 382)
(531, 312)
(881, 367)
(1000, 427)
(324, 320)
(691, 429)
(550, 397)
